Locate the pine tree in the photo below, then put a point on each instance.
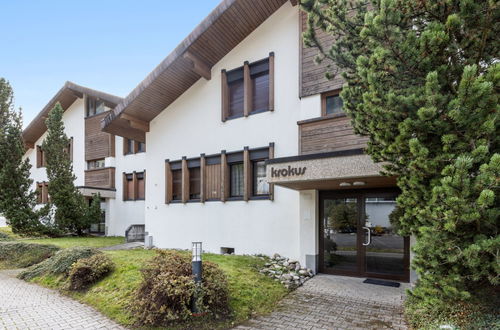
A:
(70, 208)
(17, 199)
(94, 212)
(422, 82)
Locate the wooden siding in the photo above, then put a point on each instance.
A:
(100, 178)
(328, 134)
(312, 75)
(212, 181)
(98, 144)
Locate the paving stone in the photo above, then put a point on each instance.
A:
(28, 306)
(336, 302)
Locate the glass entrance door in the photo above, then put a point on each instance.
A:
(357, 237)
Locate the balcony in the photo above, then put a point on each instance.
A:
(328, 134)
(100, 178)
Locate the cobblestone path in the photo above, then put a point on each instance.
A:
(336, 302)
(28, 306)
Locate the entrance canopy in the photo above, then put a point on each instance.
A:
(351, 169)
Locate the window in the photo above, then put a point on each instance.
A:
(237, 175)
(194, 183)
(131, 147)
(331, 103)
(40, 157)
(236, 180)
(259, 74)
(94, 164)
(94, 106)
(177, 185)
(260, 185)
(236, 91)
(141, 147)
(134, 186)
(42, 192)
(141, 191)
(248, 89)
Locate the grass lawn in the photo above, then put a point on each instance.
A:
(8, 231)
(251, 293)
(66, 242)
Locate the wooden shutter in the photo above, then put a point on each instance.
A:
(224, 173)
(271, 185)
(247, 89)
(202, 177)
(271, 81)
(185, 180)
(224, 96)
(213, 182)
(130, 187)
(168, 183)
(247, 175)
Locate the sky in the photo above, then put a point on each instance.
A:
(108, 45)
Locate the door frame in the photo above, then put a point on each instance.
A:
(360, 195)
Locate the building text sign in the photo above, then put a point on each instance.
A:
(287, 172)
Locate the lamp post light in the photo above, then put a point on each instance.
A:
(197, 272)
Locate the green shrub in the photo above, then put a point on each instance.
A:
(5, 237)
(60, 263)
(89, 270)
(167, 289)
(21, 255)
(478, 312)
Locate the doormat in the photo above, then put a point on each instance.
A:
(382, 282)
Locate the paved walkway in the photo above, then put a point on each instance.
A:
(28, 306)
(336, 302)
(124, 246)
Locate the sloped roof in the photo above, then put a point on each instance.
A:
(67, 95)
(224, 28)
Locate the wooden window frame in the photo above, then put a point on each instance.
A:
(135, 147)
(135, 186)
(40, 157)
(247, 157)
(42, 192)
(324, 96)
(247, 92)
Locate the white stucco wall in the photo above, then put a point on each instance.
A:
(124, 213)
(192, 125)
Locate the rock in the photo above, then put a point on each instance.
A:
(286, 264)
(297, 267)
(287, 277)
(302, 272)
(293, 261)
(277, 266)
(276, 256)
(295, 277)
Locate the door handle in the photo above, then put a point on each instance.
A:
(369, 236)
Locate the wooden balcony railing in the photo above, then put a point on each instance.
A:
(100, 177)
(328, 134)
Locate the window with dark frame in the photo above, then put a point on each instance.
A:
(235, 85)
(94, 106)
(259, 74)
(95, 164)
(141, 191)
(239, 175)
(40, 157)
(194, 183)
(236, 183)
(177, 185)
(129, 187)
(248, 89)
(42, 192)
(131, 146)
(331, 103)
(259, 179)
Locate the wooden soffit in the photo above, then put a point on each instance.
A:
(224, 28)
(66, 96)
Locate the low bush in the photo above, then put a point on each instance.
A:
(60, 263)
(89, 270)
(480, 311)
(20, 255)
(167, 289)
(5, 237)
